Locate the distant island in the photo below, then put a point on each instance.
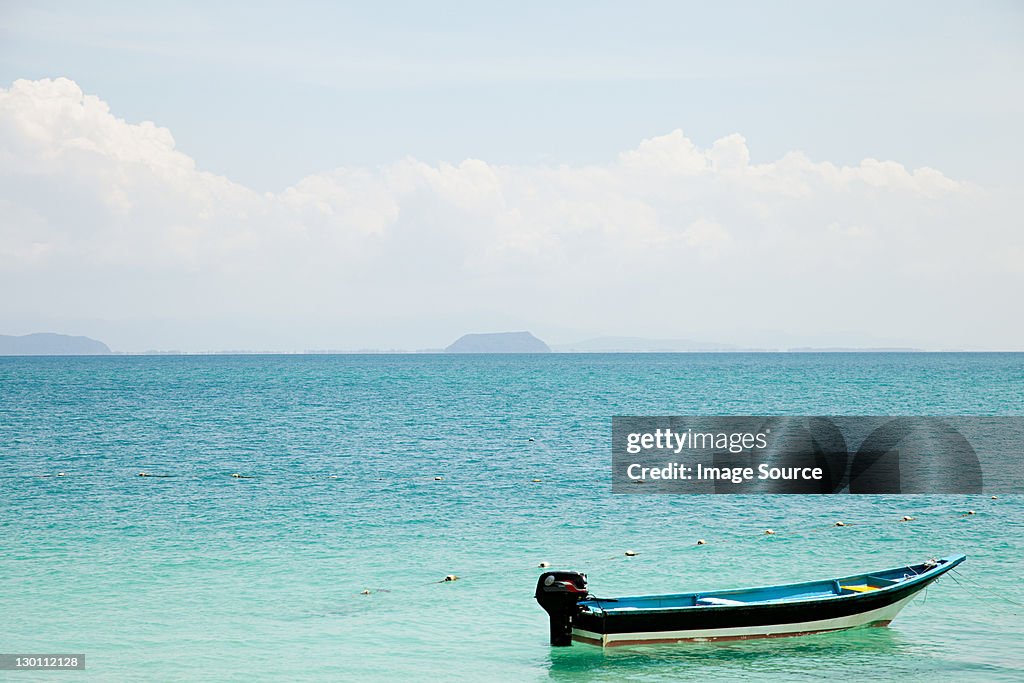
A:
(50, 344)
(498, 342)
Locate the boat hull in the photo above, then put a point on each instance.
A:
(875, 602)
(880, 616)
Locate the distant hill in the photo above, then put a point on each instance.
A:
(640, 345)
(50, 344)
(498, 342)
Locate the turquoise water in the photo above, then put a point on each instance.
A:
(202, 576)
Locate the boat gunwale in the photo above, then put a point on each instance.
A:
(943, 565)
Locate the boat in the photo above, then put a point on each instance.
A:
(795, 609)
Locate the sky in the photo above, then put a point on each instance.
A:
(293, 176)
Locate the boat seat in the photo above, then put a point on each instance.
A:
(870, 583)
(860, 589)
(718, 601)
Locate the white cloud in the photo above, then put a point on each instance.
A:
(101, 219)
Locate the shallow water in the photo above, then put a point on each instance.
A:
(202, 576)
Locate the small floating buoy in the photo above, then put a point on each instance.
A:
(438, 478)
(631, 553)
(701, 541)
(544, 565)
(450, 578)
(839, 524)
(907, 518)
(769, 532)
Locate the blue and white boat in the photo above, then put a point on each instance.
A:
(868, 599)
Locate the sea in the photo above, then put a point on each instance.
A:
(363, 481)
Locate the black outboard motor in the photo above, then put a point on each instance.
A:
(558, 593)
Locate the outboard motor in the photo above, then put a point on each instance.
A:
(559, 593)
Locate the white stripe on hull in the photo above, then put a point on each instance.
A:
(882, 615)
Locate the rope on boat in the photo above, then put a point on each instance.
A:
(989, 595)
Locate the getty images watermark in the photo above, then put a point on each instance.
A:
(816, 454)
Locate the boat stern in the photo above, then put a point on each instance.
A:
(559, 593)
